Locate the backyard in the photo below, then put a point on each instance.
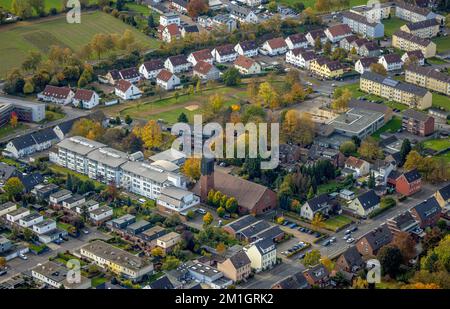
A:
(337, 222)
(391, 25)
(8, 129)
(437, 144)
(390, 127)
(21, 38)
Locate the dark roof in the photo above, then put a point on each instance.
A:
(31, 139)
(392, 58)
(242, 222)
(379, 237)
(129, 73)
(294, 282)
(416, 53)
(6, 171)
(412, 38)
(191, 29)
(445, 192)
(31, 180)
(317, 272)
(115, 74)
(45, 135)
(264, 244)
(66, 126)
(154, 65)
(427, 208)
(412, 175)
(182, 3)
(255, 229)
(162, 283)
(317, 33)
(423, 24)
(413, 8)
(226, 49)
(369, 199)
(339, 30)
(394, 174)
(248, 45)
(334, 65)
(317, 202)
(358, 17)
(297, 38)
(178, 60)
(23, 141)
(371, 46)
(413, 114)
(381, 108)
(388, 141)
(350, 38)
(271, 233)
(403, 220)
(203, 54)
(367, 61)
(353, 257)
(240, 259)
(406, 87)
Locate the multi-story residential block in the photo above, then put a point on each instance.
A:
(180, 5)
(262, 254)
(374, 12)
(300, 57)
(296, 41)
(247, 66)
(326, 68)
(338, 32)
(394, 90)
(429, 78)
(409, 42)
(391, 62)
(237, 267)
(362, 25)
(73, 151)
(116, 260)
(417, 123)
(103, 164)
(224, 53)
(424, 29)
(57, 277)
(247, 48)
(412, 13)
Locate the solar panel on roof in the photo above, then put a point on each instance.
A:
(390, 82)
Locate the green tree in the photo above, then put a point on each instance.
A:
(231, 205)
(371, 183)
(231, 77)
(170, 262)
(22, 8)
(220, 212)
(312, 258)
(183, 118)
(13, 188)
(348, 148)
(272, 7)
(404, 151)
(390, 259)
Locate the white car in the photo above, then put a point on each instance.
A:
(350, 240)
(23, 256)
(346, 237)
(201, 211)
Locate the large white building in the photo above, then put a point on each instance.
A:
(262, 254)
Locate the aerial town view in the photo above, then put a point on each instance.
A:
(225, 145)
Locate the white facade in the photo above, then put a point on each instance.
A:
(273, 51)
(58, 100)
(390, 66)
(132, 93)
(174, 68)
(168, 19)
(223, 57)
(149, 74)
(18, 214)
(31, 220)
(101, 214)
(247, 53)
(261, 259)
(169, 84)
(44, 226)
(291, 45)
(297, 59)
(88, 104)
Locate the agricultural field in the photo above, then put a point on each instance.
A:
(170, 108)
(18, 39)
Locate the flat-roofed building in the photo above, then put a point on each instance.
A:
(73, 151)
(358, 122)
(57, 277)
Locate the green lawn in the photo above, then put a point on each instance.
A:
(65, 171)
(391, 25)
(392, 126)
(329, 187)
(138, 8)
(337, 222)
(57, 4)
(311, 3)
(442, 44)
(96, 281)
(396, 105)
(435, 60)
(437, 144)
(7, 129)
(446, 156)
(440, 100)
(52, 116)
(40, 35)
(64, 226)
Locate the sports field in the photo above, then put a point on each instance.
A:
(18, 39)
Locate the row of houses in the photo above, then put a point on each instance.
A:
(391, 62)
(83, 98)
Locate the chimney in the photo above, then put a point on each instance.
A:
(206, 178)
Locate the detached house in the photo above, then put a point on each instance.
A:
(317, 276)
(417, 55)
(170, 33)
(167, 80)
(59, 95)
(363, 64)
(357, 167)
(177, 64)
(237, 267)
(130, 75)
(427, 213)
(206, 71)
(262, 254)
(242, 14)
(391, 62)
(86, 99)
(371, 243)
(350, 261)
(201, 55)
(151, 69)
(338, 32)
(247, 48)
(365, 203)
(300, 57)
(296, 281)
(276, 46)
(224, 53)
(189, 30)
(247, 66)
(314, 34)
(126, 90)
(169, 18)
(296, 41)
(408, 183)
(443, 196)
(319, 204)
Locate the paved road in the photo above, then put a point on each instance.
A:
(71, 113)
(18, 265)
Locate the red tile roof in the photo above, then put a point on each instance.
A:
(164, 75)
(244, 62)
(83, 95)
(203, 54)
(202, 67)
(56, 92)
(123, 85)
(339, 30)
(276, 43)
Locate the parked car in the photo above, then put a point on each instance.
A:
(350, 240)
(23, 256)
(301, 256)
(3, 271)
(201, 211)
(86, 232)
(354, 229)
(333, 239)
(346, 237)
(347, 232)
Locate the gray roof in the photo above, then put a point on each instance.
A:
(108, 156)
(427, 208)
(445, 192)
(7, 205)
(381, 108)
(412, 175)
(379, 237)
(430, 72)
(410, 88)
(80, 145)
(412, 38)
(296, 281)
(318, 202)
(353, 257)
(31, 217)
(240, 259)
(356, 120)
(369, 199)
(423, 24)
(358, 17)
(168, 155)
(242, 223)
(413, 114)
(145, 170)
(101, 210)
(413, 8)
(60, 193)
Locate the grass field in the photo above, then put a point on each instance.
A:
(169, 109)
(311, 3)
(57, 4)
(65, 171)
(440, 100)
(442, 44)
(391, 25)
(337, 222)
(392, 126)
(437, 144)
(18, 39)
(7, 129)
(435, 60)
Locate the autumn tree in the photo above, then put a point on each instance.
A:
(268, 96)
(191, 168)
(231, 77)
(22, 8)
(390, 258)
(328, 263)
(406, 244)
(2, 262)
(378, 68)
(341, 102)
(32, 61)
(369, 149)
(14, 120)
(312, 258)
(13, 188)
(208, 218)
(197, 7)
(322, 5)
(221, 248)
(327, 47)
(87, 128)
(348, 148)
(231, 205)
(150, 134)
(318, 220)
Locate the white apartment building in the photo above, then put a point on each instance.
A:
(44, 226)
(262, 254)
